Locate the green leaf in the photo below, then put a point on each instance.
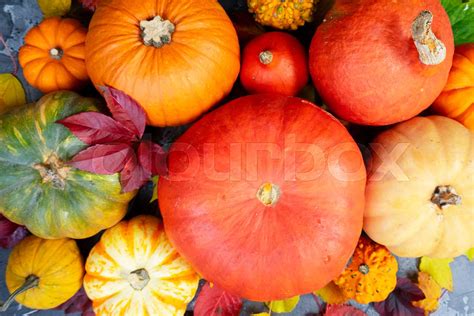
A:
(461, 15)
(283, 306)
(470, 254)
(12, 93)
(439, 270)
(154, 197)
(54, 7)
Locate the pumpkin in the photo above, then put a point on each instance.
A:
(52, 57)
(175, 58)
(134, 270)
(42, 273)
(274, 62)
(289, 14)
(457, 99)
(419, 199)
(379, 62)
(371, 274)
(38, 188)
(264, 197)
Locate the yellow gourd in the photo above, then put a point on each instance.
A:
(371, 275)
(43, 273)
(134, 270)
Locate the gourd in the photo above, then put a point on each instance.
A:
(134, 270)
(419, 192)
(457, 99)
(38, 188)
(175, 58)
(379, 62)
(264, 197)
(42, 274)
(52, 57)
(371, 275)
(274, 62)
(289, 14)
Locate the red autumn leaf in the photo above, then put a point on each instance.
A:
(399, 302)
(343, 310)
(213, 301)
(96, 128)
(79, 303)
(125, 110)
(10, 233)
(89, 4)
(133, 175)
(152, 157)
(103, 158)
(245, 25)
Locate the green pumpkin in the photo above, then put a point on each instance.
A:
(38, 189)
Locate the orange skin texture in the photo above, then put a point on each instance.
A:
(232, 239)
(177, 82)
(43, 71)
(457, 99)
(286, 74)
(435, 151)
(365, 65)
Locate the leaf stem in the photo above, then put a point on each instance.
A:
(9, 53)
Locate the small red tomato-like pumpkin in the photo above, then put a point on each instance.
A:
(265, 197)
(457, 99)
(53, 55)
(274, 62)
(377, 62)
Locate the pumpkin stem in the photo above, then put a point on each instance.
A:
(156, 32)
(53, 171)
(445, 196)
(266, 57)
(268, 194)
(364, 269)
(138, 279)
(430, 49)
(30, 282)
(56, 53)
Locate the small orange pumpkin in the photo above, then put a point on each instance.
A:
(371, 275)
(53, 55)
(457, 99)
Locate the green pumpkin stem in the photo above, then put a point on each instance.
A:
(30, 282)
(156, 32)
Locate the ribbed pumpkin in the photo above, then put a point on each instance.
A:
(134, 270)
(419, 196)
(53, 55)
(38, 189)
(457, 99)
(378, 62)
(44, 273)
(371, 274)
(176, 58)
(265, 197)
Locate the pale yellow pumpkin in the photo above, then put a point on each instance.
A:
(134, 270)
(420, 192)
(44, 273)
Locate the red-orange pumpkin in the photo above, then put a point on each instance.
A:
(274, 62)
(265, 197)
(371, 68)
(176, 58)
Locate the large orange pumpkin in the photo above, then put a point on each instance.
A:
(176, 58)
(419, 197)
(378, 62)
(53, 55)
(457, 99)
(265, 197)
